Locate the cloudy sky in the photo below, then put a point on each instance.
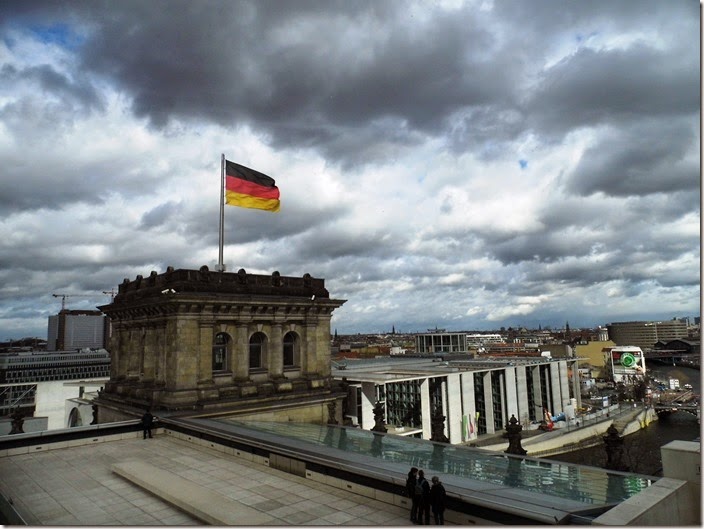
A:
(467, 165)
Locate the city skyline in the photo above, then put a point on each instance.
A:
(465, 165)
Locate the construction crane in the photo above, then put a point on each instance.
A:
(63, 299)
(111, 292)
(64, 296)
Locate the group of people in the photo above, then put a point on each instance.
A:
(425, 497)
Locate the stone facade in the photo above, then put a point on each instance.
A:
(208, 341)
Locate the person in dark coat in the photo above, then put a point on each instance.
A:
(437, 501)
(411, 491)
(147, 423)
(424, 507)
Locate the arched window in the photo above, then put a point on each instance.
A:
(220, 350)
(257, 351)
(74, 418)
(291, 349)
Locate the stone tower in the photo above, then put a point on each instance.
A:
(216, 341)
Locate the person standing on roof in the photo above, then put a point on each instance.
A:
(411, 491)
(437, 500)
(147, 423)
(424, 501)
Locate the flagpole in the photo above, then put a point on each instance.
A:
(221, 266)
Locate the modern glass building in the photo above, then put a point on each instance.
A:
(474, 397)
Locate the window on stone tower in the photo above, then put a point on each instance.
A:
(220, 351)
(290, 349)
(257, 350)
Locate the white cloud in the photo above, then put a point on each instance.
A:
(396, 152)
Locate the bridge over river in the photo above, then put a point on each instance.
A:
(672, 357)
(674, 402)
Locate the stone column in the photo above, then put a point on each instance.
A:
(469, 407)
(522, 395)
(205, 352)
(511, 392)
(302, 348)
(425, 412)
(311, 349)
(116, 356)
(454, 408)
(240, 360)
(323, 344)
(149, 358)
(366, 421)
(564, 384)
(555, 388)
(537, 392)
(488, 404)
(134, 350)
(576, 386)
(186, 353)
(160, 352)
(276, 352)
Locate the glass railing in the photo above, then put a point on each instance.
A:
(589, 485)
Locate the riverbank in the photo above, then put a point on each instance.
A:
(562, 440)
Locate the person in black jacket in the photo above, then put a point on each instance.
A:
(411, 491)
(424, 502)
(437, 501)
(147, 423)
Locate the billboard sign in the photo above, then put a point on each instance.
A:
(627, 364)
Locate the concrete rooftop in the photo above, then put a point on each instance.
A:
(77, 486)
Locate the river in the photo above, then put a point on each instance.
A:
(642, 449)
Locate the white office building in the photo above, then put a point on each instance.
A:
(76, 329)
(476, 396)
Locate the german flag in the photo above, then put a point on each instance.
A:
(247, 188)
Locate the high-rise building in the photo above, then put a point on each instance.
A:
(645, 334)
(76, 329)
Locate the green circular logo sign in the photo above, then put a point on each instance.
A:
(628, 360)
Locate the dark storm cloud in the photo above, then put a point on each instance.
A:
(52, 183)
(315, 74)
(158, 216)
(639, 160)
(44, 79)
(310, 75)
(422, 94)
(609, 86)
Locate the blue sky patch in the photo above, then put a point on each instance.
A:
(523, 163)
(59, 33)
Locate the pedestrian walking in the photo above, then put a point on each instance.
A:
(437, 501)
(411, 491)
(147, 423)
(424, 500)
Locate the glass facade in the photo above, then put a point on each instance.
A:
(44, 367)
(545, 386)
(531, 395)
(480, 403)
(441, 343)
(498, 399)
(403, 404)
